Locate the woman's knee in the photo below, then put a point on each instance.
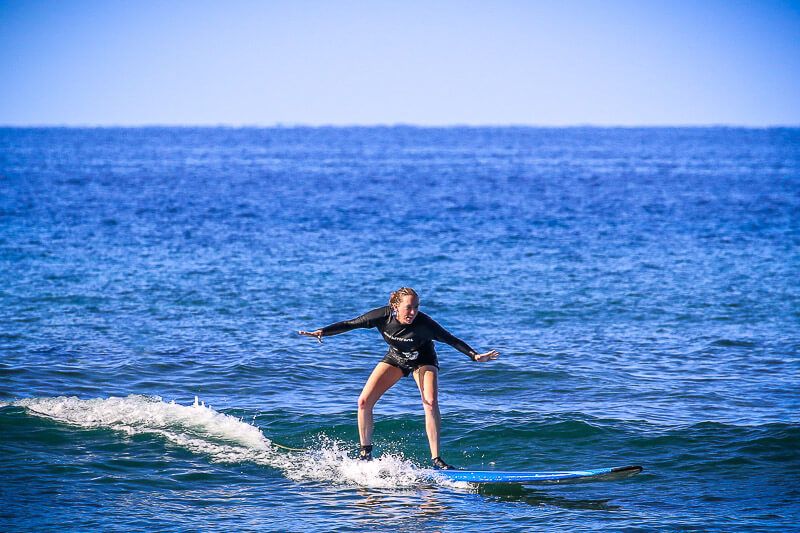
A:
(364, 402)
(430, 402)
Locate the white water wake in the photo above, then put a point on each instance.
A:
(225, 439)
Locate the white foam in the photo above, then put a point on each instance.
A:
(331, 463)
(224, 438)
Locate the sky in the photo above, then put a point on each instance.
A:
(432, 63)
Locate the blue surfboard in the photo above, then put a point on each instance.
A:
(572, 476)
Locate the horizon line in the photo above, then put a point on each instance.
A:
(377, 125)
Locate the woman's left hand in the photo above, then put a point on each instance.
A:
(488, 356)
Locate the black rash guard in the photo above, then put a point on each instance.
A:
(411, 345)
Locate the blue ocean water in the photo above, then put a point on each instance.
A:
(640, 284)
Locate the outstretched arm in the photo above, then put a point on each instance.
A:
(367, 320)
(445, 336)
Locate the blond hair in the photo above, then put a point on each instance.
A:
(396, 296)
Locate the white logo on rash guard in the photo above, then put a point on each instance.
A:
(398, 339)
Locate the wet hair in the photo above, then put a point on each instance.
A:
(398, 295)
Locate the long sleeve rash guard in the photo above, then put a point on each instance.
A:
(403, 339)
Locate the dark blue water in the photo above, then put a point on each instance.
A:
(641, 285)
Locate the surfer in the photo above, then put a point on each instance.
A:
(410, 335)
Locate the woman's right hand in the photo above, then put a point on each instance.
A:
(317, 334)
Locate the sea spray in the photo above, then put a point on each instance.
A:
(331, 461)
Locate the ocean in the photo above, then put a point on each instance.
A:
(641, 286)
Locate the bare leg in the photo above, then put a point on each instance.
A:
(381, 380)
(427, 378)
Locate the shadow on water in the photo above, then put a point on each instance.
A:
(510, 492)
(426, 503)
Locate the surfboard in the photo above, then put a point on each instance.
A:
(571, 476)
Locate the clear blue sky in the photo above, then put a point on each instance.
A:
(379, 62)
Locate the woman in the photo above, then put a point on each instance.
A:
(410, 335)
